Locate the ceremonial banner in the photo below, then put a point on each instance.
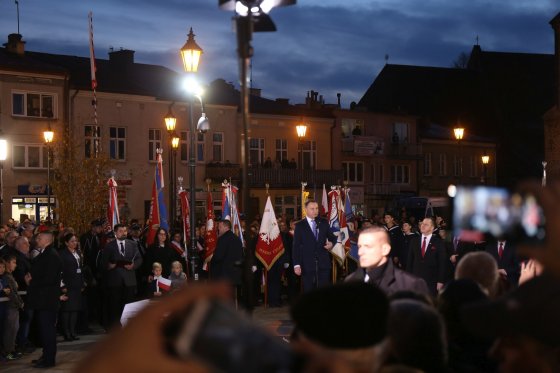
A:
(338, 249)
(211, 238)
(158, 211)
(269, 244)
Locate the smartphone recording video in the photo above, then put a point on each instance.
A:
(480, 213)
(228, 341)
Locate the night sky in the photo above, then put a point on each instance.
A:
(323, 45)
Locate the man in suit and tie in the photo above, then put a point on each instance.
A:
(120, 259)
(310, 252)
(427, 257)
(43, 295)
(508, 264)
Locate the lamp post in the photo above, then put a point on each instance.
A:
(170, 123)
(190, 54)
(459, 133)
(174, 146)
(485, 160)
(250, 16)
(3, 156)
(301, 130)
(48, 135)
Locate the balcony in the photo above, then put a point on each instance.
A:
(276, 178)
(371, 146)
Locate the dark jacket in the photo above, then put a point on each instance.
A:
(73, 281)
(393, 280)
(44, 289)
(164, 255)
(508, 262)
(227, 260)
(433, 266)
(120, 276)
(305, 248)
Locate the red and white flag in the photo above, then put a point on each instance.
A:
(269, 245)
(113, 208)
(163, 283)
(186, 219)
(324, 202)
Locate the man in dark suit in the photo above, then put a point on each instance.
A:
(376, 268)
(508, 264)
(43, 295)
(310, 251)
(120, 260)
(227, 260)
(427, 258)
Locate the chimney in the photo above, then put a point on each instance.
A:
(338, 98)
(15, 45)
(121, 58)
(255, 92)
(555, 23)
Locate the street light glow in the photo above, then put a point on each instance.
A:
(301, 130)
(459, 133)
(3, 149)
(485, 159)
(190, 54)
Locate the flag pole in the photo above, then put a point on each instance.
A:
(265, 277)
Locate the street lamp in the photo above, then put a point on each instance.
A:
(485, 160)
(48, 135)
(190, 54)
(250, 16)
(459, 133)
(170, 123)
(301, 130)
(3, 156)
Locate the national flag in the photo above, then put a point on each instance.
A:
(269, 244)
(185, 218)
(344, 234)
(158, 211)
(211, 238)
(163, 283)
(324, 202)
(351, 244)
(229, 208)
(113, 207)
(334, 223)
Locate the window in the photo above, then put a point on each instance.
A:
(427, 164)
(309, 150)
(200, 147)
(117, 143)
(443, 164)
(183, 146)
(353, 171)
(289, 205)
(92, 137)
(185, 143)
(34, 104)
(32, 156)
(400, 174)
(400, 133)
(281, 149)
(154, 143)
(457, 166)
(218, 147)
(256, 152)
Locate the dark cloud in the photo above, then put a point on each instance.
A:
(323, 45)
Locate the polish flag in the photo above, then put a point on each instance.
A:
(163, 283)
(324, 202)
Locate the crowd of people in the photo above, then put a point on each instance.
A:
(419, 298)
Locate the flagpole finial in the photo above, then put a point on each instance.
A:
(180, 182)
(544, 163)
(345, 183)
(159, 151)
(267, 185)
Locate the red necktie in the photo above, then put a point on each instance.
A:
(424, 247)
(501, 250)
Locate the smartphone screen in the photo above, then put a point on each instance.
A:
(230, 342)
(482, 212)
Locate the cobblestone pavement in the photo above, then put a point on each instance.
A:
(275, 320)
